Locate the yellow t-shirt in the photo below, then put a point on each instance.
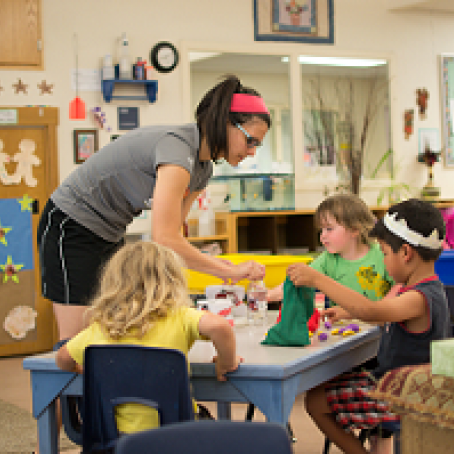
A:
(179, 330)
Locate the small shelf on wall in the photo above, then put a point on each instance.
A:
(150, 87)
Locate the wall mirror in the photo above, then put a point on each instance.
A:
(346, 116)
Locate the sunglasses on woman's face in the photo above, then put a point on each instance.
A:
(251, 142)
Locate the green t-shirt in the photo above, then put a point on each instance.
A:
(366, 275)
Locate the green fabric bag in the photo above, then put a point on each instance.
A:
(297, 308)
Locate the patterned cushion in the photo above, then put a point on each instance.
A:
(414, 391)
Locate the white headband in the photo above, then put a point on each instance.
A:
(401, 229)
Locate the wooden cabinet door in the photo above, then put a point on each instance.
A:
(26, 319)
(20, 33)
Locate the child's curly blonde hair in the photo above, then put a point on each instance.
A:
(142, 282)
(349, 211)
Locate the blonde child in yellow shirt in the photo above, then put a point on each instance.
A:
(143, 300)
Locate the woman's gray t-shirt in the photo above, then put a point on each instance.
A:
(115, 184)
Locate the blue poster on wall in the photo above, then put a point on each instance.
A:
(16, 248)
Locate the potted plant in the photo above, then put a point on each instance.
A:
(395, 191)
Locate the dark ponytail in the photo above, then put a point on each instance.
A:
(213, 114)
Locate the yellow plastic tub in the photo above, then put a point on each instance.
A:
(276, 268)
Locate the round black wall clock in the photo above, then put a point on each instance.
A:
(164, 57)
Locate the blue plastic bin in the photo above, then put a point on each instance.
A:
(444, 267)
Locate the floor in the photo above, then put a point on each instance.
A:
(15, 388)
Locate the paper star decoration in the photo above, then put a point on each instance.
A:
(45, 88)
(25, 203)
(10, 270)
(20, 86)
(3, 232)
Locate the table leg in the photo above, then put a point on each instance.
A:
(224, 410)
(47, 431)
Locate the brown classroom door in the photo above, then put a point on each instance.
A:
(27, 324)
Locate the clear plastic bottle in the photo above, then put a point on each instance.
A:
(125, 65)
(257, 303)
(108, 72)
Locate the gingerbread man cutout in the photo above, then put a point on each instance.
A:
(5, 158)
(25, 162)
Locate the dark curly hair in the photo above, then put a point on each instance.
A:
(422, 217)
(213, 114)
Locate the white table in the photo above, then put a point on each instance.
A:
(270, 378)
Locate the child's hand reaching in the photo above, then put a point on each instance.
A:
(301, 274)
(334, 314)
(222, 369)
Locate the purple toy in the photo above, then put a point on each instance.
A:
(328, 325)
(354, 327)
(323, 337)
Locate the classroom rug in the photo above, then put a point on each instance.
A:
(18, 431)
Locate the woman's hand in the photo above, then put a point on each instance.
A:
(222, 369)
(247, 270)
(301, 274)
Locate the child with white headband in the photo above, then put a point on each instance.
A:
(410, 236)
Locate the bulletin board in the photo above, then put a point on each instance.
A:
(447, 99)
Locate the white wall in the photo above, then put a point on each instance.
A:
(412, 41)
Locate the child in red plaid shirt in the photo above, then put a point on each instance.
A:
(410, 236)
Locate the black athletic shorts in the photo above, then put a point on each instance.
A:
(71, 257)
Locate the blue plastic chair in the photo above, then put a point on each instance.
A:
(118, 374)
(207, 437)
(389, 426)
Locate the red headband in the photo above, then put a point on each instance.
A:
(245, 103)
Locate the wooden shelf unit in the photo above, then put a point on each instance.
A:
(276, 231)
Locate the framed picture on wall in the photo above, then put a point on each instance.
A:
(309, 21)
(428, 137)
(447, 102)
(85, 144)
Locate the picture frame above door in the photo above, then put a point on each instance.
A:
(309, 21)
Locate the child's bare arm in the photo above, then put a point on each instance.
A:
(64, 361)
(409, 306)
(335, 314)
(221, 334)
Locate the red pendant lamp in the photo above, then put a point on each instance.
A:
(77, 105)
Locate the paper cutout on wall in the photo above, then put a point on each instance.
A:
(26, 159)
(20, 86)
(19, 247)
(99, 117)
(3, 233)
(19, 321)
(45, 88)
(26, 203)
(422, 96)
(408, 123)
(17, 274)
(5, 158)
(10, 270)
(13, 295)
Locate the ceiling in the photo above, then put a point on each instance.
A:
(231, 63)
